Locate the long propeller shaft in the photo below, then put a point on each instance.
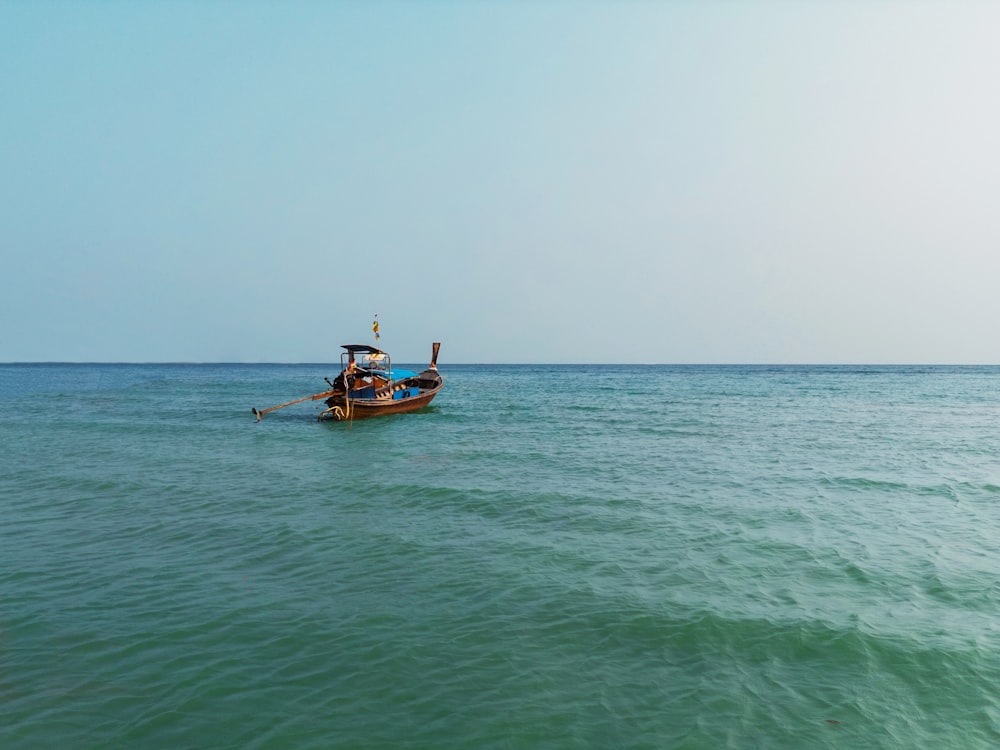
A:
(259, 413)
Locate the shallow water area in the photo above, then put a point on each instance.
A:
(547, 557)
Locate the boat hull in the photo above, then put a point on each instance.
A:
(365, 408)
(428, 384)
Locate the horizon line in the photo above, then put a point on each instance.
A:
(511, 364)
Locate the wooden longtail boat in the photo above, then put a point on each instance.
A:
(369, 386)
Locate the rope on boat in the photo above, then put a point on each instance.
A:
(347, 398)
(336, 411)
(339, 413)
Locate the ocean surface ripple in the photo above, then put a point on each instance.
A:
(547, 557)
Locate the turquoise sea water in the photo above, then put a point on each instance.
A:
(548, 557)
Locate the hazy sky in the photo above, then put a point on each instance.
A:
(674, 182)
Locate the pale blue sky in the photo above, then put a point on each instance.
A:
(704, 182)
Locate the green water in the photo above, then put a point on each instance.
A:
(548, 557)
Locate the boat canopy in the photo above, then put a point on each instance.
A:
(354, 348)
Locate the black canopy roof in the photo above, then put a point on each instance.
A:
(362, 348)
